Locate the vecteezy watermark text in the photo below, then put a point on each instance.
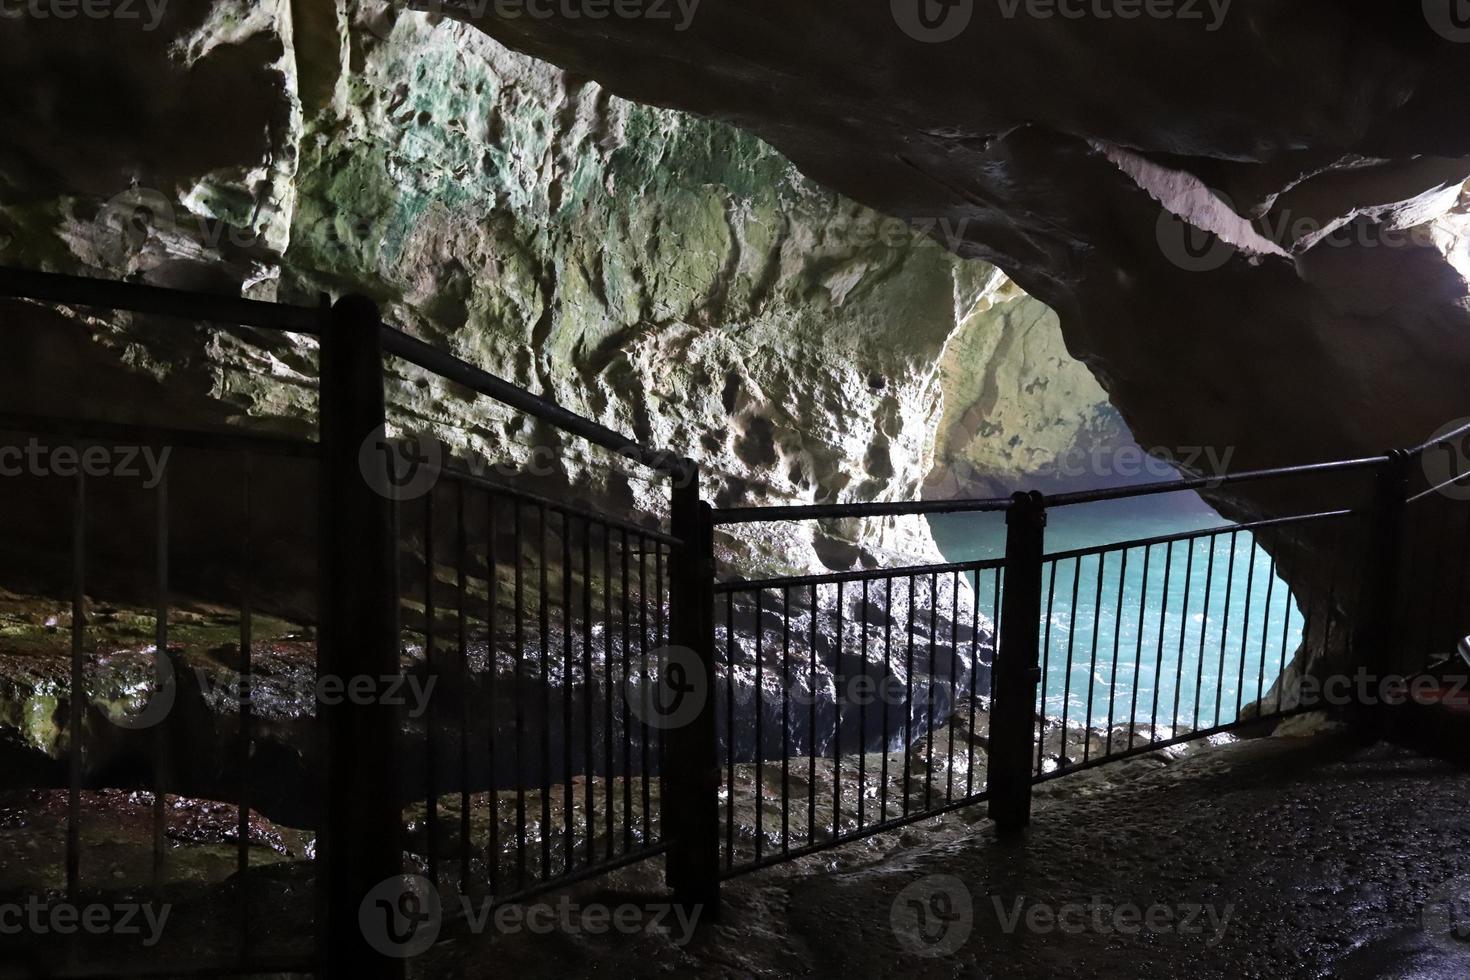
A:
(680, 11)
(1134, 461)
(36, 458)
(935, 916)
(150, 12)
(1105, 917)
(39, 917)
(402, 917)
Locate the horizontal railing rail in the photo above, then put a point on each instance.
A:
(65, 290)
(813, 512)
(415, 351)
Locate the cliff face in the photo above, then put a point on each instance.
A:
(670, 276)
(1019, 412)
(1252, 259)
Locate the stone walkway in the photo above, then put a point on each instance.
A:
(1279, 857)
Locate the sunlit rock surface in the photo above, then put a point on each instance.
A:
(670, 276)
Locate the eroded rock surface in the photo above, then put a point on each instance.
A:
(667, 275)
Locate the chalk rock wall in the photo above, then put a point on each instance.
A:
(669, 276)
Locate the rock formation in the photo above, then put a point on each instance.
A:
(669, 276)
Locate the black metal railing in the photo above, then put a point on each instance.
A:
(130, 718)
(533, 625)
(532, 619)
(831, 687)
(558, 644)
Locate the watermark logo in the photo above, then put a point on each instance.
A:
(673, 693)
(1189, 248)
(400, 469)
(932, 21)
(1450, 19)
(1446, 916)
(401, 916)
(1449, 460)
(933, 916)
(160, 702)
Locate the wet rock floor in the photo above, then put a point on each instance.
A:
(1281, 857)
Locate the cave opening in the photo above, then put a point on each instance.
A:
(918, 489)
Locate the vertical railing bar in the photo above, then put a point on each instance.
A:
(1018, 666)
(589, 747)
(862, 739)
(462, 587)
(360, 836)
(730, 728)
(760, 714)
(1148, 551)
(786, 718)
(1183, 633)
(543, 608)
(811, 772)
(1153, 724)
(645, 730)
(1265, 641)
(1250, 576)
(568, 706)
(610, 684)
(661, 639)
(247, 707)
(160, 651)
(974, 683)
(691, 811)
(1102, 564)
(908, 702)
(431, 821)
(1117, 641)
(77, 694)
(492, 663)
(1285, 634)
(1071, 646)
(625, 610)
(887, 689)
(1199, 676)
(954, 656)
(1225, 630)
(837, 697)
(518, 684)
(930, 734)
(995, 607)
(1051, 591)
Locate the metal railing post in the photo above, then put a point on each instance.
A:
(359, 839)
(1017, 666)
(691, 815)
(1378, 635)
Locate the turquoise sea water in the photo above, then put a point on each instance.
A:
(1189, 653)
